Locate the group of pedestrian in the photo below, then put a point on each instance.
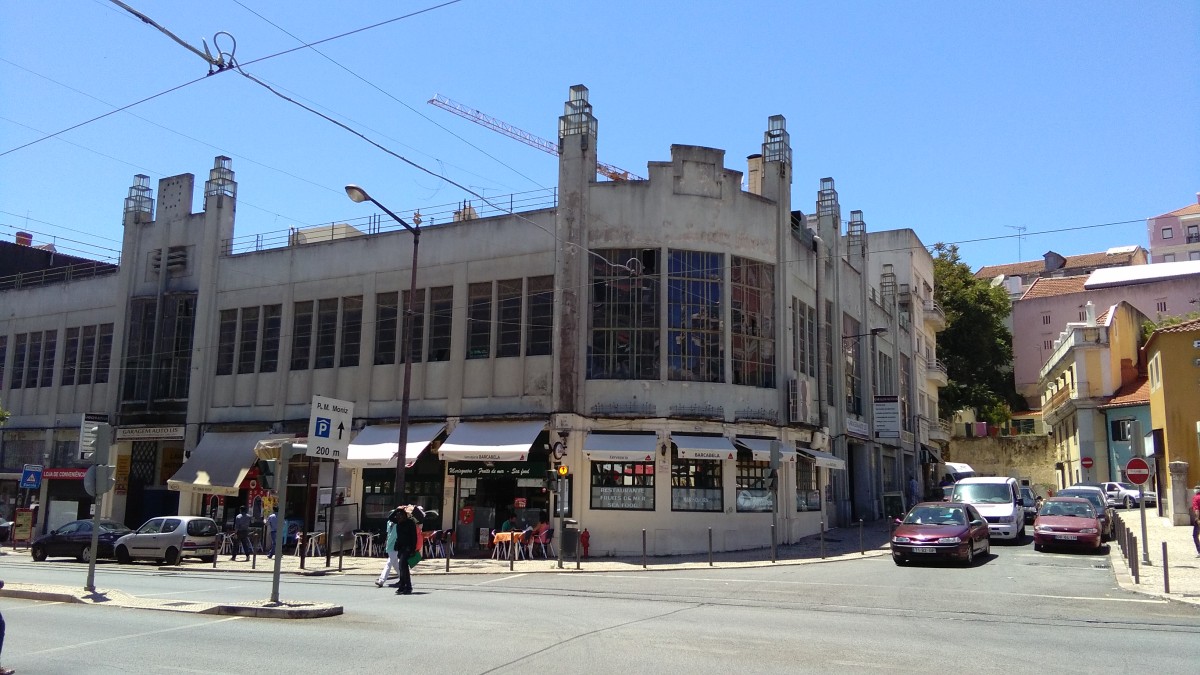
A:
(401, 544)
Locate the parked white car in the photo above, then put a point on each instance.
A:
(170, 539)
(1127, 494)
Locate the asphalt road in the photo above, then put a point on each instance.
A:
(1018, 611)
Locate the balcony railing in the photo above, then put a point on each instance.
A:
(57, 275)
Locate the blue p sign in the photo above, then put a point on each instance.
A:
(324, 425)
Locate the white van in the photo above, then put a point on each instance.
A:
(998, 500)
(955, 471)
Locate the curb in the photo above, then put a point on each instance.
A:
(265, 610)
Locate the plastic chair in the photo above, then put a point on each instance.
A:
(546, 541)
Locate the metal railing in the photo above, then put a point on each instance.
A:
(57, 275)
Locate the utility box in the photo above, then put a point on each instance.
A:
(570, 538)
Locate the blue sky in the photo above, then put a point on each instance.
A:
(962, 121)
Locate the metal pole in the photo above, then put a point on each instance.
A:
(446, 551)
(772, 542)
(578, 545)
(643, 548)
(710, 547)
(308, 524)
(329, 516)
(1166, 574)
(562, 519)
(512, 549)
(1134, 560)
(862, 548)
(101, 472)
(406, 392)
(285, 456)
(1142, 508)
(822, 540)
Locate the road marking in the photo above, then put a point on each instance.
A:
(201, 590)
(132, 636)
(514, 576)
(822, 583)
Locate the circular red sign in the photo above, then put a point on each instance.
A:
(1086, 462)
(1137, 470)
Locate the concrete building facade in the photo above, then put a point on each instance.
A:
(661, 338)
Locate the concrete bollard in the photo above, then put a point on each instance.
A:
(1166, 574)
(513, 542)
(772, 542)
(341, 549)
(822, 535)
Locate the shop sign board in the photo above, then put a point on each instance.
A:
(497, 469)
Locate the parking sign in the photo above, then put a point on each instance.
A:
(329, 428)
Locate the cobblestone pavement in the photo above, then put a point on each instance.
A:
(836, 545)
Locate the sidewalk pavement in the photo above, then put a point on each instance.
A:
(836, 545)
(1183, 563)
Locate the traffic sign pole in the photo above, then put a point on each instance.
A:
(1137, 470)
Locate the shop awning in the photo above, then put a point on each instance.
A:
(620, 447)
(490, 441)
(375, 446)
(704, 447)
(219, 463)
(760, 449)
(824, 459)
(934, 456)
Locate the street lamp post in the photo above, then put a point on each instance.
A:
(360, 195)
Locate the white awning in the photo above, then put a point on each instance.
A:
(760, 449)
(220, 462)
(375, 446)
(824, 459)
(490, 441)
(620, 447)
(704, 447)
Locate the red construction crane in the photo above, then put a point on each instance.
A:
(485, 120)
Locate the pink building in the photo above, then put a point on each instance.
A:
(1175, 236)
(1051, 305)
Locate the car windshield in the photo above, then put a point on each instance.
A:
(982, 493)
(936, 515)
(1093, 497)
(1075, 509)
(113, 526)
(1128, 486)
(201, 528)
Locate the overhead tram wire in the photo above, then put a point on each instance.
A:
(386, 93)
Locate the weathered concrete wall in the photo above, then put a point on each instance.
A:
(1028, 458)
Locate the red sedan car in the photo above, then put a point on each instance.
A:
(1068, 522)
(941, 531)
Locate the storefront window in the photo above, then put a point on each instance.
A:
(623, 485)
(808, 496)
(696, 485)
(753, 493)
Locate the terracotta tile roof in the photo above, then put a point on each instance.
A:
(1185, 211)
(1045, 287)
(1185, 327)
(1134, 393)
(1083, 260)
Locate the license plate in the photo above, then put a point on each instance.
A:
(1067, 537)
(924, 549)
(204, 551)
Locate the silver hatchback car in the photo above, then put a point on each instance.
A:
(170, 539)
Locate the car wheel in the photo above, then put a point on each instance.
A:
(1038, 547)
(898, 560)
(123, 555)
(970, 555)
(38, 553)
(1128, 502)
(85, 554)
(1021, 534)
(987, 546)
(173, 557)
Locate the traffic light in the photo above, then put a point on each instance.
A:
(267, 468)
(563, 470)
(551, 481)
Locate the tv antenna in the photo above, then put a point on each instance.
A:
(1020, 235)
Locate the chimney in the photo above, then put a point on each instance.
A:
(1053, 261)
(1090, 310)
(754, 174)
(1129, 372)
(24, 239)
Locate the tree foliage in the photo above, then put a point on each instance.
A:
(3, 414)
(1148, 327)
(976, 346)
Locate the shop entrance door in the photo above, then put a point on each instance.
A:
(498, 494)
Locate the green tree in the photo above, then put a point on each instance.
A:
(976, 345)
(3, 414)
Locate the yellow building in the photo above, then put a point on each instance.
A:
(1173, 363)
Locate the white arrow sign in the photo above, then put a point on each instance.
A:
(330, 428)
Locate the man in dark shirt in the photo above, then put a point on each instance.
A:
(241, 529)
(406, 545)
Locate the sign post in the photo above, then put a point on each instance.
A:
(1138, 471)
(329, 428)
(95, 439)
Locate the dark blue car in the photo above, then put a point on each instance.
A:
(74, 540)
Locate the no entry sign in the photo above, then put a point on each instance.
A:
(1137, 470)
(1086, 462)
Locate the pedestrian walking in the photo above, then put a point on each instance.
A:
(913, 492)
(3, 670)
(272, 530)
(390, 547)
(241, 530)
(1196, 520)
(406, 545)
